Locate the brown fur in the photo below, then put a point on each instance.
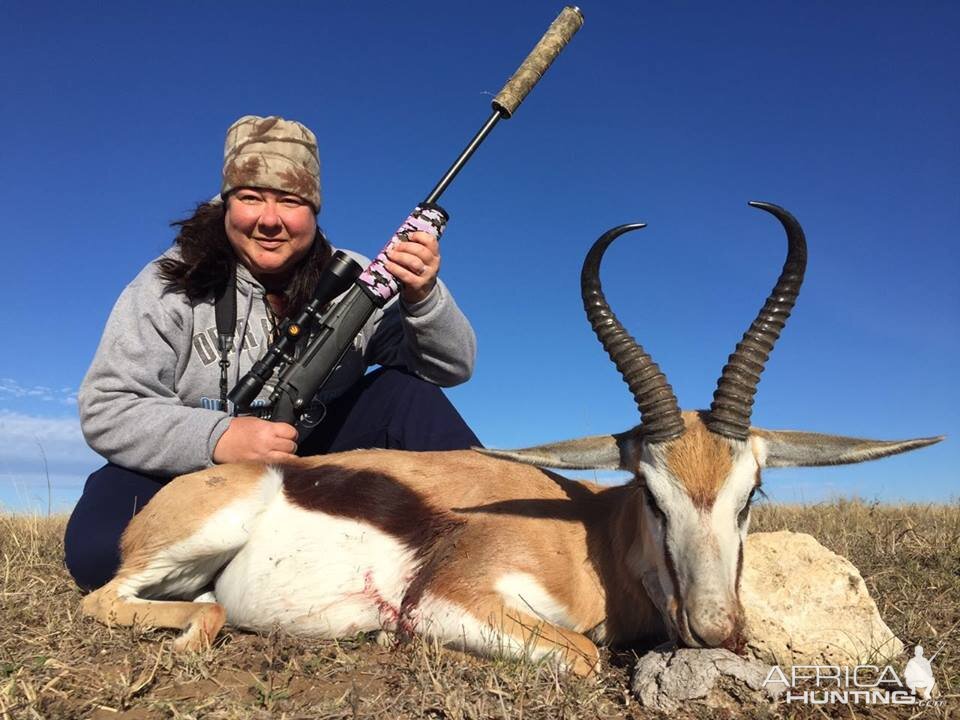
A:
(573, 649)
(385, 502)
(375, 497)
(180, 508)
(173, 514)
(201, 622)
(474, 518)
(519, 519)
(701, 460)
(572, 536)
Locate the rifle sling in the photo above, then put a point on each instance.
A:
(226, 312)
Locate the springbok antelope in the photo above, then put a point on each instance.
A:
(485, 550)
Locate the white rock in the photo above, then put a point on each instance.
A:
(806, 605)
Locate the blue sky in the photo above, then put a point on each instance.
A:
(675, 114)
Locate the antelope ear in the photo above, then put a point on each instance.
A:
(786, 448)
(597, 452)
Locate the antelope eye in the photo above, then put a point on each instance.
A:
(652, 504)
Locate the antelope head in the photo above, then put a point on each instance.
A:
(696, 472)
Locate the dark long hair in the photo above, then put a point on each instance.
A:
(206, 260)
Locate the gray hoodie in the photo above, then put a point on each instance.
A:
(151, 399)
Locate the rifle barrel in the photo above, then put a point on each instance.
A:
(464, 156)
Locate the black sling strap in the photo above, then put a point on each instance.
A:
(226, 311)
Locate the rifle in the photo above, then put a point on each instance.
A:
(367, 289)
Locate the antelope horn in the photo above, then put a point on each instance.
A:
(659, 412)
(733, 398)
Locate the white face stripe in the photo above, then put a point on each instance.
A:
(734, 492)
(702, 544)
(724, 515)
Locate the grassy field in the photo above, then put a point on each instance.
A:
(56, 664)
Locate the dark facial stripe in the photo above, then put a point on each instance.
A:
(739, 569)
(672, 571)
(737, 642)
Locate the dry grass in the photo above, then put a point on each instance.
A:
(56, 664)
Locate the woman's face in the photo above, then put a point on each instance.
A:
(270, 231)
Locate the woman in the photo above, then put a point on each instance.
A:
(153, 403)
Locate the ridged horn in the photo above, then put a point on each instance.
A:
(733, 398)
(659, 412)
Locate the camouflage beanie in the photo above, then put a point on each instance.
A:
(272, 153)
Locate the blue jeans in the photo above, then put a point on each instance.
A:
(388, 408)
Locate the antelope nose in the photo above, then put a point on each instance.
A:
(711, 623)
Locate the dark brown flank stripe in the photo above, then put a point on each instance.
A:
(382, 501)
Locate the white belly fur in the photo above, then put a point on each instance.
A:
(315, 574)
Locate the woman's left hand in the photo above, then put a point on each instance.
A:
(415, 263)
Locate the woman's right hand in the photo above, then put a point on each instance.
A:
(250, 439)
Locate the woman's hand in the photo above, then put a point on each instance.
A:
(415, 263)
(250, 439)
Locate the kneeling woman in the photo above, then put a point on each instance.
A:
(152, 403)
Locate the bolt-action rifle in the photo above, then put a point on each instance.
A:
(332, 331)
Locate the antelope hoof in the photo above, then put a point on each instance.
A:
(202, 630)
(585, 665)
(386, 639)
(90, 606)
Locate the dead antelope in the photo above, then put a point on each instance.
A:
(488, 552)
